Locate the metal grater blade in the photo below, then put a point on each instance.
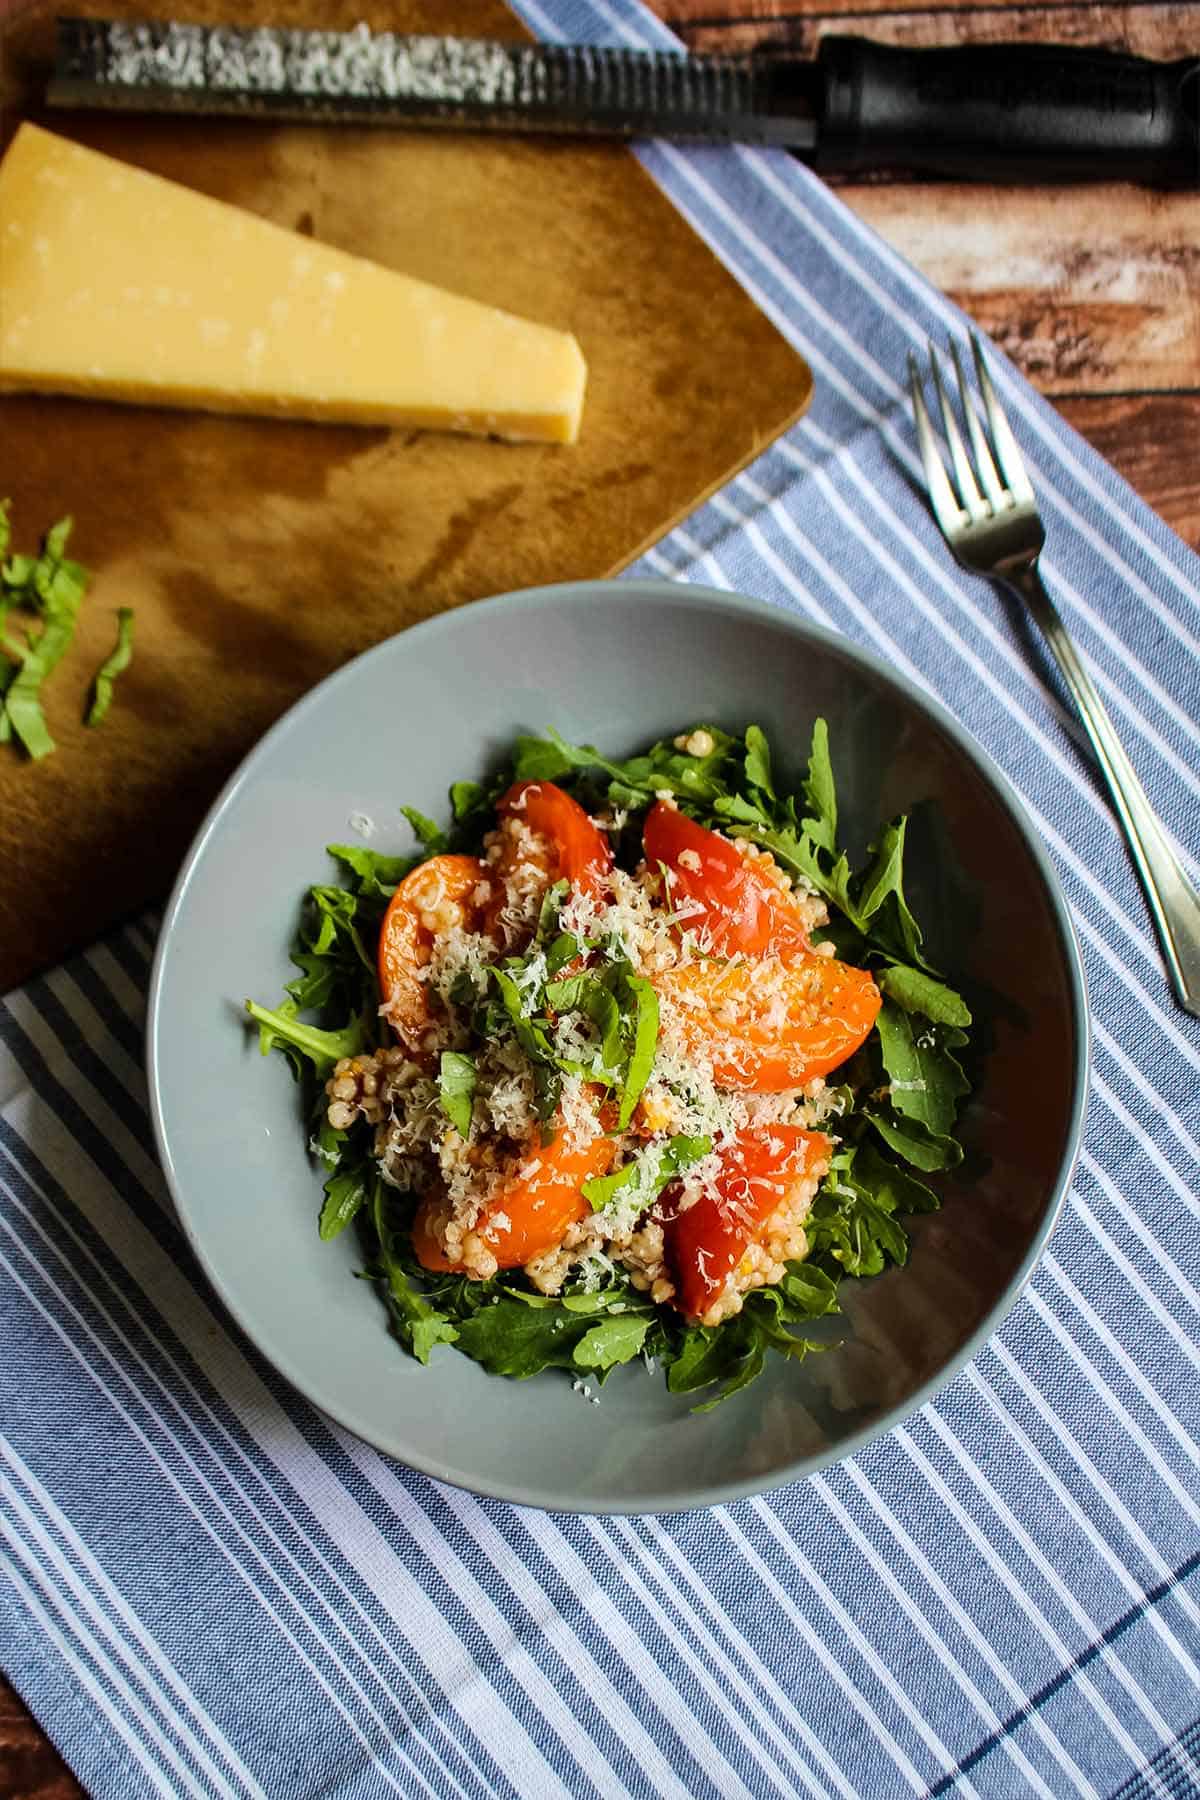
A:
(378, 77)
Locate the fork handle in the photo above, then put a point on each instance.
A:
(1173, 900)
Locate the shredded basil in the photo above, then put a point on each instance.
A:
(46, 593)
(114, 664)
(456, 1089)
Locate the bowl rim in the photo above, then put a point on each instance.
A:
(653, 590)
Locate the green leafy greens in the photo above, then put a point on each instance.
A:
(113, 665)
(456, 1089)
(643, 1178)
(580, 1008)
(47, 591)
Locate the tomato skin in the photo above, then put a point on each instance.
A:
(583, 854)
(583, 851)
(765, 1034)
(537, 1207)
(705, 1243)
(406, 943)
(731, 896)
(566, 845)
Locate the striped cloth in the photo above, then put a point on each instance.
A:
(212, 1591)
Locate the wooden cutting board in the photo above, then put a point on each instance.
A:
(258, 555)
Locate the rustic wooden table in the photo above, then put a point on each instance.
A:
(1094, 292)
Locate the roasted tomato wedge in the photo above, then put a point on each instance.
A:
(734, 898)
(769, 1027)
(753, 1203)
(565, 845)
(530, 1214)
(583, 854)
(437, 895)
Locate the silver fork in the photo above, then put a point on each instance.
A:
(998, 533)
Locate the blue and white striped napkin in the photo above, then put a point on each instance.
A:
(212, 1591)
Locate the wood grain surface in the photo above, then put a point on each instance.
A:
(1093, 291)
(1096, 294)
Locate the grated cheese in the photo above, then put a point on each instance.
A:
(633, 917)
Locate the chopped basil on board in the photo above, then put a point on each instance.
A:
(40, 601)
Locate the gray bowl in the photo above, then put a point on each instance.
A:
(617, 664)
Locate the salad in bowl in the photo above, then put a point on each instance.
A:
(625, 1063)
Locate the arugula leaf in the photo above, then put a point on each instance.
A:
(850, 1232)
(757, 764)
(315, 986)
(115, 664)
(456, 1089)
(417, 1324)
(327, 1143)
(602, 1300)
(918, 992)
(378, 875)
(888, 1185)
(747, 1368)
(635, 783)
(926, 1082)
(705, 1355)
(734, 1352)
(617, 1339)
(429, 835)
(807, 1291)
(541, 759)
(345, 1195)
(473, 807)
(738, 810)
(415, 1320)
(882, 911)
(912, 1139)
(800, 855)
(515, 1332)
(282, 1030)
(851, 1228)
(336, 914)
(820, 792)
(465, 797)
(510, 1338)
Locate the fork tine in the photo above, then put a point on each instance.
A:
(968, 490)
(946, 510)
(1007, 454)
(985, 468)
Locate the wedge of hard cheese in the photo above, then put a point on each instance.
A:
(119, 285)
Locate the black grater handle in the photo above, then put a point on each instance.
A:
(1004, 112)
